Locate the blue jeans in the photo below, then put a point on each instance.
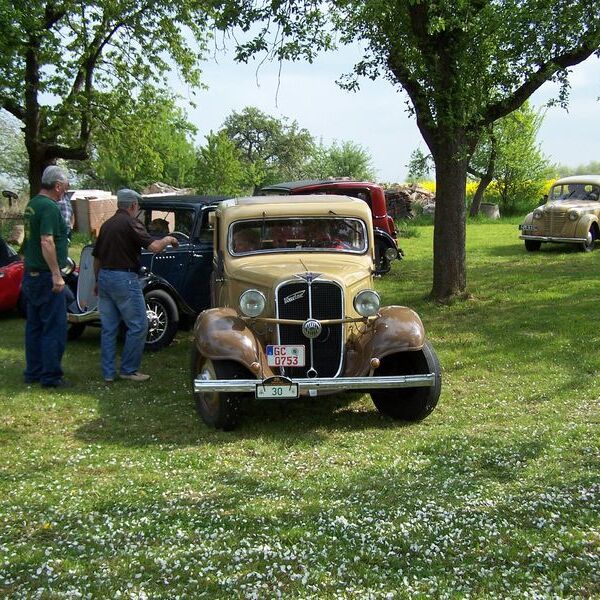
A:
(120, 298)
(45, 330)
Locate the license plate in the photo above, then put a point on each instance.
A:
(527, 228)
(276, 390)
(285, 356)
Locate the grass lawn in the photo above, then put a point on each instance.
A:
(121, 492)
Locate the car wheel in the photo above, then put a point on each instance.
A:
(382, 264)
(532, 245)
(590, 241)
(217, 409)
(163, 319)
(409, 404)
(75, 331)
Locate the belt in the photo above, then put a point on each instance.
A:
(119, 269)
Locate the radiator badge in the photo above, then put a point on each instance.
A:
(308, 276)
(294, 296)
(311, 329)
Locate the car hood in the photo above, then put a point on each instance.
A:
(266, 270)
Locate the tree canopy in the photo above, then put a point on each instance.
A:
(340, 159)
(60, 63)
(275, 147)
(148, 139)
(509, 154)
(462, 64)
(13, 155)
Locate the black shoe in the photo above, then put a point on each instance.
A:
(59, 383)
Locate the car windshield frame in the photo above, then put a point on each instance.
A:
(267, 235)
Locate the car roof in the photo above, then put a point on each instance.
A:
(594, 179)
(294, 185)
(180, 201)
(318, 205)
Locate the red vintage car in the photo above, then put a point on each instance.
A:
(386, 244)
(11, 276)
(12, 268)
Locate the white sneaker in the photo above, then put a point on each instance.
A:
(137, 376)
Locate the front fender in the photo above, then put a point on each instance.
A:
(150, 281)
(385, 238)
(219, 334)
(398, 329)
(528, 220)
(584, 224)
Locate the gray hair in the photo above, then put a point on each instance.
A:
(52, 175)
(126, 198)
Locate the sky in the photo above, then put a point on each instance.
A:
(375, 117)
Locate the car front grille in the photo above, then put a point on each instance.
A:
(323, 353)
(553, 222)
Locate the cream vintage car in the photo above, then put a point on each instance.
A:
(296, 314)
(570, 215)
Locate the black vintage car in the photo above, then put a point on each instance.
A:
(175, 281)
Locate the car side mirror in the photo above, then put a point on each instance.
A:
(545, 198)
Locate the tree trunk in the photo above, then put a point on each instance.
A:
(487, 177)
(32, 117)
(478, 197)
(449, 255)
(36, 168)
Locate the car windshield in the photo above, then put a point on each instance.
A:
(331, 234)
(161, 222)
(574, 191)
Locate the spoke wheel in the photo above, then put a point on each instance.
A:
(382, 264)
(163, 319)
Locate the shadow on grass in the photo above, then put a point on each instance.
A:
(518, 250)
(173, 421)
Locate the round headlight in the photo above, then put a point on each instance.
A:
(537, 213)
(573, 215)
(69, 267)
(252, 303)
(366, 303)
(391, 253)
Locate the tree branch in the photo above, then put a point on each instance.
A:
(13, 107)
(543, 74)
(53, 151)
(52, 16)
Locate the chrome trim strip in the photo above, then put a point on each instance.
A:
(541, 238)
(324, 383)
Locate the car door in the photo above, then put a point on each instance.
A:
(196, 279)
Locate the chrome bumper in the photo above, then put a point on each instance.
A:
(543, 238)
(329, 384)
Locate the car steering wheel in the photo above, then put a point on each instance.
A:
(180, 235)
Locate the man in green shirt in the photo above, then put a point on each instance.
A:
(46, 251)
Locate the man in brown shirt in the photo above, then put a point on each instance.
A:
(116, 264)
